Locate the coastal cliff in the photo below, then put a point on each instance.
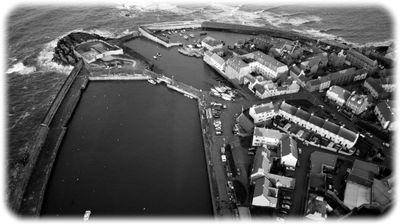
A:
(63, 52)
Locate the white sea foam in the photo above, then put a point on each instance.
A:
(44, 59)
(20, 68)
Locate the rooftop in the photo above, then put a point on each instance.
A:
(318, 159)
(266, 60)
(262, 108)
(386, 110)
(266, 132)
(340, 92)
(211, 41)
(288, 146)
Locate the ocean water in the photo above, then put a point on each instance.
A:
(32, 32)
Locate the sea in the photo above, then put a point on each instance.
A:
(33, 78)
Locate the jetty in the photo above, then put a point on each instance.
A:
(149, 35)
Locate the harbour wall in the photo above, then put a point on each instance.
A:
(48, 139)
(149, 36)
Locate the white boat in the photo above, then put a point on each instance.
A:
(219, 89)
(152, 81)
(158, 54)
(155, 57)
(191, 35)
(227, 98)
(86, 216)
(186, 37)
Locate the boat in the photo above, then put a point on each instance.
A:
(219, 89)
(203, 33)
(155, 57)
(158, 54)
(180, 34)
(227, 98)
(191, 35)
(186, 37)
(86, 216)
(152, 81)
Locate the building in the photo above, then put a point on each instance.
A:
(214, 60)
(382, 192)
(262, 112)
(265, 136)
(358, 103)
(327, 129)
(298, 75)
(360, 61)
(281, 181)
(322, 160)
(385, 114)
(388, 84)
(342, 77)
(360, 74)
(338, 95)
(236, 69)
(288, 152)
(266, 65)
(316, 208)
(268, 88)
(359, 183)
(312, 64)
(245, 123)
(265, 194)
(374, 88)
(262, 164)
(93, 50)
(211, 43)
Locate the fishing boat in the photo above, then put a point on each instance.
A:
(152, 81)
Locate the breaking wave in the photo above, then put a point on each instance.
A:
(20, 68)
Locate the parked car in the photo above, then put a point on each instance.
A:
(284, 212)
(285, 206)
(287, 202)
(287, 197)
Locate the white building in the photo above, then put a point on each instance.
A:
(338, 94)
(211, 43)
(237, 69)
(385, 114)
(265, 136)
(266, 65)
(288, 152)
(265, 194)
(262, 112)
(335, 133)
(214, 60)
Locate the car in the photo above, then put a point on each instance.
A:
(300, 151)
(238, 171)
(285, 206)
(287, 202)
(218, 132)
(287, 197)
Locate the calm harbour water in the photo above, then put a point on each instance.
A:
(131, 149)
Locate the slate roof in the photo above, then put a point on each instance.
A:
(386, 110)
(289, 146)
(347, 134)
(267, 107)
(318, 159)
(331, 127)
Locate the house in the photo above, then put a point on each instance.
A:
(265, 136)
(385, 114)
(299, 75)
(281, 181)
(316, 208)
(312, 64)
(388, 84)
(214, 60)
(382, 191)
(245, 123)
(262, 112)
(338, 95)
(359, 60)
(237, 69)
(211, 43)
(358, 103)
(288, 152)
(262, 164)
(359, 183)
(322, 160)
(266, 65)
(374, 88)
(327, 129)
(265, 194)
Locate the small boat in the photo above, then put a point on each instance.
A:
(155, 57)
(227, 98)
(158, 54)
(180, 34)
(203, 33)
(191, 35)
(219, 89)
(152, 81)
(86, 216)
(186, 37)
